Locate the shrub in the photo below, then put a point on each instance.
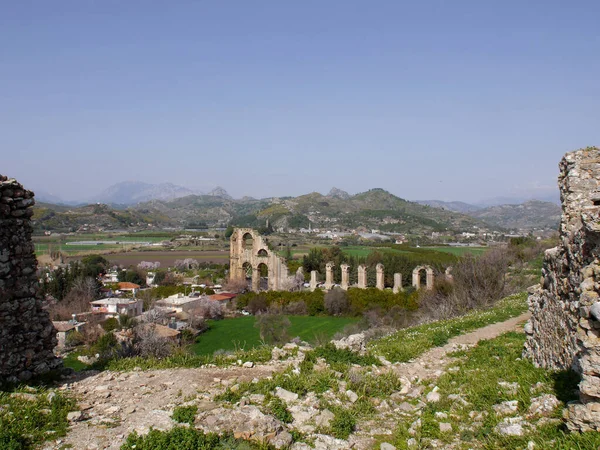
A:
(185, 414)
(110, 324)
(148, 343)
(273, 327)
(297, 308)
(336, 302)
(257, 304)
(74, 338)
(108, 347)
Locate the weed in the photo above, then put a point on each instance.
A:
(185, 414)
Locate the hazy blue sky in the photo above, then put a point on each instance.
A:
(427, 99)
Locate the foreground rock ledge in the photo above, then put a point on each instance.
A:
(564, 329)
(27, 336)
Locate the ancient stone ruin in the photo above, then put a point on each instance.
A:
(27, 336)
(564, 329)
(251, 256)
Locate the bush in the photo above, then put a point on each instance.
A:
(296, 308)
(336, 302)
(111, 324)
(74, 339)
(273, 327)
(148, 343)
(107, 347)
(185, 414)
(257, 304)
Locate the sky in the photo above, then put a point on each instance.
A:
(451, 100)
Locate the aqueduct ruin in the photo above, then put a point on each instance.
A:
(250, 257)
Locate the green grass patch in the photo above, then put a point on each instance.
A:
(185, 358)
(240, 333)
(180, 438)
(459, 251)
(72, 362)
(409, 343)
(476, 379)
(31, 416)
(185, 414)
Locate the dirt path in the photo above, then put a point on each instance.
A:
(431, 363)
(114, 404)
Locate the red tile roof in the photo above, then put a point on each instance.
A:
(222, 297)
(127, 285)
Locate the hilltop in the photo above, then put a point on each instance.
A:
(374, 209)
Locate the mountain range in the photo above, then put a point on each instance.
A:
(134, 204)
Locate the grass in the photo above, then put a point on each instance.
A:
(240, 333)
(180, 438)
(29, 416)
(72, 362)
(185, 414)
(475, 378)
(409, 343)
(459, 251)
(186, 359)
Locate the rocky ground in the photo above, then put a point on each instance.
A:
(113, 404)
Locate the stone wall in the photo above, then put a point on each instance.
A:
(27, 336)
(564, 329)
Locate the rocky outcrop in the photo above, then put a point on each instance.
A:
(564, 329)
(27, 336)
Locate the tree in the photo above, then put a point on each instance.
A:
(273, 327)
(94, 265)
(336, 302)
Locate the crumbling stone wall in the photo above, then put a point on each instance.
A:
(27, 335)
(564, 329)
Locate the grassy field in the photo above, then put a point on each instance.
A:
(459, 251)
(231, 334)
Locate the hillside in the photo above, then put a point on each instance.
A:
(526, 216)
(460, 207)
(64, 218)
(374, 209)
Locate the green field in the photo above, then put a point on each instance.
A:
(232, 334)
(459, 251)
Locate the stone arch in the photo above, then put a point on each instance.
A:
(248, 241)
(263, 276)
(248, 246)
(416, 277)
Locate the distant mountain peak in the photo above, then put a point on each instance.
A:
(220, 192)
(132, 192)
(338, 193)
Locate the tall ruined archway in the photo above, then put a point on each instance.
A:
(248, 247)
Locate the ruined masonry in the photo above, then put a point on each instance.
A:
(27, 336)
(564, 329)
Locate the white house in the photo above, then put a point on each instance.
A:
(112, 307)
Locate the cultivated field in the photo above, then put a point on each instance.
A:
(166, 258)
(232, 334)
